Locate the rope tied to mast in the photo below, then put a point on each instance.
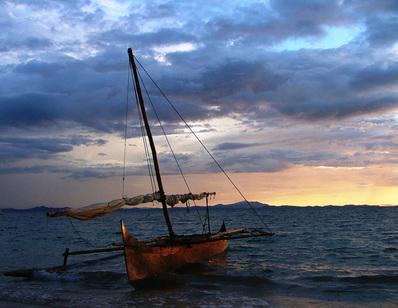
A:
(202, 144)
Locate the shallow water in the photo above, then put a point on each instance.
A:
(318, 257)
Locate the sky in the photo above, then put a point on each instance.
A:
(296, 100)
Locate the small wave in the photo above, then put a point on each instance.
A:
(227, 280)
(53, 276)
(364, 279)
(376, 279)
(322, 278)
(30, 296)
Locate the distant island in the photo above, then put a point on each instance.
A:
(234, 206)
(35, 209)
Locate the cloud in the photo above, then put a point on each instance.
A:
(29, 43)
(318, 109)
(237, 76)
(305, 84)
(25, 170)
(375, 76)
(24, 148)
(63, 71)
(382, 31)
(234, 145)
(39, 68)
(31, 109)
(98, 172)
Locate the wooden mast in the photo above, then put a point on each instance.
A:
(152, 145)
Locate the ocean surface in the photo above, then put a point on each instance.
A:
(318, 257)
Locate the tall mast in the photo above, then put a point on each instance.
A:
(152, 145)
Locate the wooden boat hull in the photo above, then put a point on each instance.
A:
(144, 262)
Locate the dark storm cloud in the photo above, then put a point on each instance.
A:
(28, 43)
(23, 148)
(375, 76)
(234, 145)
(317, 84)
(13, 149)
(225, 78)
(306, 18)
(273, 160)
(84, 92)
(253, 161)
(76, 173)
(380, 145)
(318, 109)
(383, 32)
(40, 68)
(97, 172)
(43, 110)
(231, 68)
(31, 109)
(26, 169)
(237, 76)
(267, 24)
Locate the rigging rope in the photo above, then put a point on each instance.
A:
(81, 237)
(125, 134)
(151, 172)
(204, 147)
(171, 148)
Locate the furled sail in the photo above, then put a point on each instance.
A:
(103, 209)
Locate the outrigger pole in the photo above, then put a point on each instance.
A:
(30, 271)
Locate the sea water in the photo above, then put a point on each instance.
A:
(318, 257)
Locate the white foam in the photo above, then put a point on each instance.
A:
(53, 276)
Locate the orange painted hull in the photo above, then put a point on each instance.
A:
(145, 261)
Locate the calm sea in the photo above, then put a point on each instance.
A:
(318, 257)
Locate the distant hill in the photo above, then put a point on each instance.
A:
(238, 205)
(241, 205)
(35, 209)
